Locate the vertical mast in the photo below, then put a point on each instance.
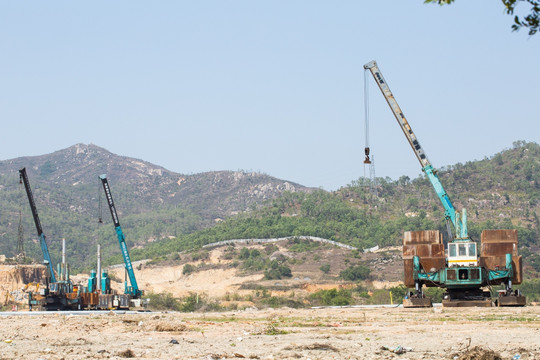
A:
(134, 290)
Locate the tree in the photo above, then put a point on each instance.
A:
(354, 273)
(530, 21)
(325, 268)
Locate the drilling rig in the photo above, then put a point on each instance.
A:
(132, 293)
(58, 294)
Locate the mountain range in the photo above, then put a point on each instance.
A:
(162, 212)
(152, 202)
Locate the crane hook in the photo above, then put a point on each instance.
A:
(367, 160)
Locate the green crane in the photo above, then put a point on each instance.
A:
(133, 289)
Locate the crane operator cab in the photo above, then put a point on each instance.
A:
(462, 253)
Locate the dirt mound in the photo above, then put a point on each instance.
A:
(19, 275)
(14, 280)
(221, 271)
(478, 353)
(167, 326)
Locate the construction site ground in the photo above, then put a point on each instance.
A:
(325, 333)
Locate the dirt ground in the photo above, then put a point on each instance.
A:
(330, 333)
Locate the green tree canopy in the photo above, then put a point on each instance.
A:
(530, 21)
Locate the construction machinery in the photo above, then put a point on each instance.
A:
(462, 271)
(57, 294)
(132, 293)
(23, 177)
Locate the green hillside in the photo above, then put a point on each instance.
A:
(500, 192)
(163, 212)
(152, 202)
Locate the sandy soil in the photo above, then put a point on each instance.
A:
(341, 333)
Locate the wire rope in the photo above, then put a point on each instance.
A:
(366, 107)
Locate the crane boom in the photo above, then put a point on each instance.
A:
(450, 213)
(43, 243)
(134, 288)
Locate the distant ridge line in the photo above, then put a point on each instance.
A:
(263, 241)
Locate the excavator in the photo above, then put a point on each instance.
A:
(132, 293)
(461, 270)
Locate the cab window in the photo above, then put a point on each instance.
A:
(472, 249)
(452, 248)
(462, 250)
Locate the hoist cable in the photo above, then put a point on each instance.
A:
(366, 107)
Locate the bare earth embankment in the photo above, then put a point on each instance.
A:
(338, 333)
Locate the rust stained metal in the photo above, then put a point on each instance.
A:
(423, 250)
(428, 246)
(499, 236)
(417, 302)
(422, 237)
(498, 249)
(495, 245)
(499, 242)
(90, 300)
(408, 273)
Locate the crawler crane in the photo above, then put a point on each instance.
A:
(462, 271)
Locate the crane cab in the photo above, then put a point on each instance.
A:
(462, 253)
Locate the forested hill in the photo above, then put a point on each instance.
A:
(152, 202)
(498, 192)
(162, 212)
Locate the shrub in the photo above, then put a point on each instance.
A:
(325, 268)
(277, 271)
(332, 297)
(280, 301)
(194, 302)
(435, 293)
(531, 289)
(201, 255)
(380, 296)
(355, 273)
(163, 301)
(398, 292)
(270, 249)
(255, 264)
(298, 245)
(244, 253)
(188, 269)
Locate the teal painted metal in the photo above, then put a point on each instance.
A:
(463, 277)
(449, 210)
(92, 281)
(508, 272)
(105, 283)
(133, 289)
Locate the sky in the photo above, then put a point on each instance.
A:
(270, 86)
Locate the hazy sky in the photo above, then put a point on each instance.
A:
(270, 86)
